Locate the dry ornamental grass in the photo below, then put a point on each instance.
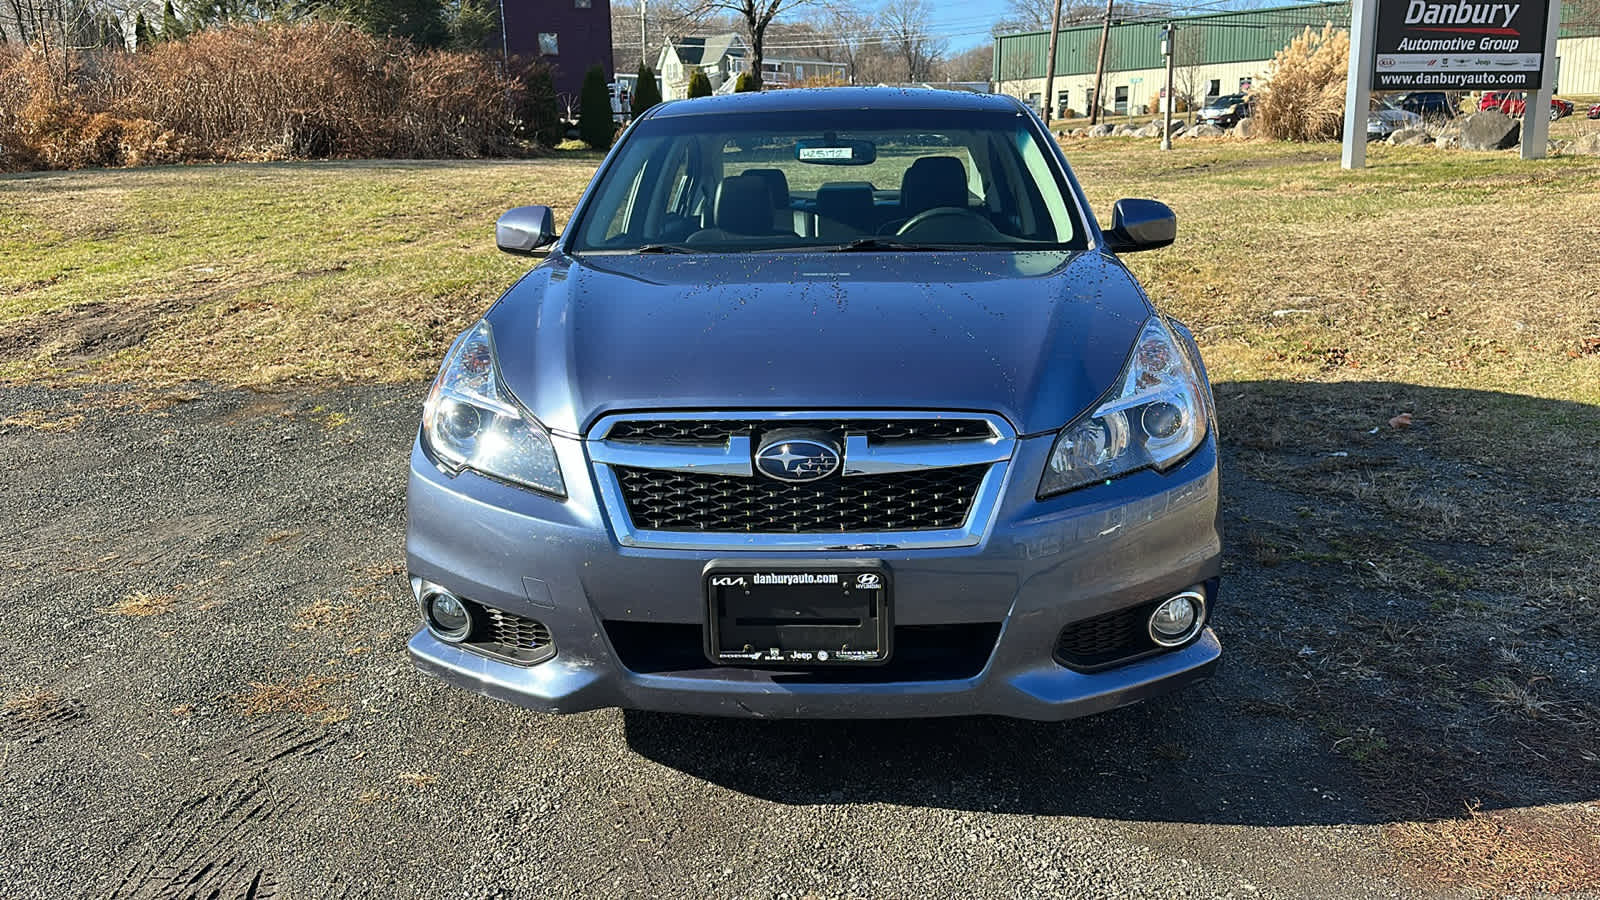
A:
(1303, 97)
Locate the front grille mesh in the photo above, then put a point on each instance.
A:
(517, 632)
(512, 637)
(717, 431)
(923, 500)
(1106, 639)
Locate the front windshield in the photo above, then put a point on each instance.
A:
(830, 179)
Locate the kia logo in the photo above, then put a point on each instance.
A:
(797, 459)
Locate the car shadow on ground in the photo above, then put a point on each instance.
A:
(1401, 620)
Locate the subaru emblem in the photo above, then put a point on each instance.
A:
(797, 459)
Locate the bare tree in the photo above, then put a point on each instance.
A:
(903, 25)
(59, 29)
(756, 15)
(976, 64)
(1034, 15)
(845, 28)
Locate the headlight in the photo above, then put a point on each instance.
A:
(472, 422)
(1156, 417)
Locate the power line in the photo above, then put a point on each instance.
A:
(955, 28)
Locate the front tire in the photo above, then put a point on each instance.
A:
(1554, 113)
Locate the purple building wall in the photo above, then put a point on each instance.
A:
(578, 31)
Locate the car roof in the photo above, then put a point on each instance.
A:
(802, 99)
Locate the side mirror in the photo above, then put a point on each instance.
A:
(524, 229)
(1140, 225)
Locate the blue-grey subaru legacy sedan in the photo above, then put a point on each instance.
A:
(825, 403)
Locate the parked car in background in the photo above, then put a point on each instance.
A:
(1225, 111)
(1594, 111)
(1432, 106)
(825, 404)
(1515, 103)
(1385, 119)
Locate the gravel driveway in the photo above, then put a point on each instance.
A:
(207, 695)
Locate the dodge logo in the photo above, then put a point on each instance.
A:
(797, 459)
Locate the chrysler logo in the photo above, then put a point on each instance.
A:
(797, 459)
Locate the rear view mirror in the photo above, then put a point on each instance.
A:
(1140, 225)
(836, 152)
(524, 229)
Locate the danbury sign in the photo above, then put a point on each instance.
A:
(1459, 45)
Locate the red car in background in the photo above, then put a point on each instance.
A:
(1594, 111)
(1514, 103)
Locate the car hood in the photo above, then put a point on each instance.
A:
(1036, 337)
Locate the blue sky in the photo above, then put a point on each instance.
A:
(966, 24)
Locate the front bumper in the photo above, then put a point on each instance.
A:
(1041, 566)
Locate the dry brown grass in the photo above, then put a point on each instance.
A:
(33, 707)
(259, 91)
(1553, 849)
(141, 605)
(308, 697)
(42, 420)
(418, 780)
(323, 613)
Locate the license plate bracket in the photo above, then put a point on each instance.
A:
(789, 613)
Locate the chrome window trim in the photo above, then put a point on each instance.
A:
(994, 451)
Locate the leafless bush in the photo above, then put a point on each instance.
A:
(256, 92)
(1303, 97)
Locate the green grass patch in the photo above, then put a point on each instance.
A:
(1438, 268)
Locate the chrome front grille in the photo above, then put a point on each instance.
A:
(718, 431)
(689, 480)
(922, 500)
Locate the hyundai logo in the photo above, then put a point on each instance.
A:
(797, 459)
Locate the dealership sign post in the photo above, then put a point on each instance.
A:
(1452, 45)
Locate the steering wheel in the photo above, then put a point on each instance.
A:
(949, 223)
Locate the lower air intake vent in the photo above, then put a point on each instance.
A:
(514, 638)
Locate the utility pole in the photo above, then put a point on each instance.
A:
(1050, 65)
(1168, 49)
(643, 50)
(505, 51)
(1100, 66)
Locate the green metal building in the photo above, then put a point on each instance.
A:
(1217, 53)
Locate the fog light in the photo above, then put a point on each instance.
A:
(449, 618)
(1177, 619)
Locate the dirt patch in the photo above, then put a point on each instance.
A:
(87, 332)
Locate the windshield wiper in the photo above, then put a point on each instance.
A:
(665, 248)
(889, 243)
